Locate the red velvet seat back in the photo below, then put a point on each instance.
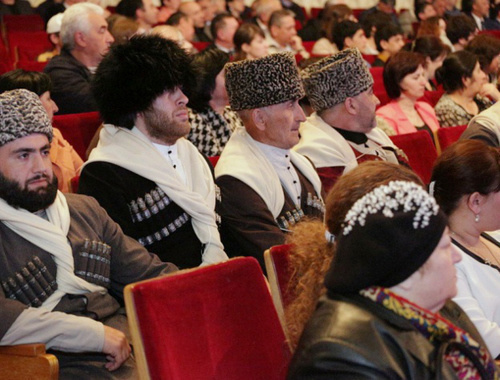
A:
(27, 23)
(420, 150)
(27, 45)
(378, 85)
(216, 322)
(280, 255)
(78, 129)
(449, 135)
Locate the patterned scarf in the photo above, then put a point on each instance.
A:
(438, 330)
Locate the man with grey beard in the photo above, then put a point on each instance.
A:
(63, 261)
(151, 180)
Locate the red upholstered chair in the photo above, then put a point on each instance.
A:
(73, 183)
(449, 135)
(278, 273)
(315, 12)
(213, 160)
(432, 97)
(378, 85)
(78, 129)
(420, 150)
(200, 46)
(26, 23)
(27, 45)
(214, 322)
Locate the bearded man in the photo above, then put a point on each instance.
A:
(63, 261)
(151, 180)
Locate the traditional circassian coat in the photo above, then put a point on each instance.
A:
(334, 151)
(255, 207)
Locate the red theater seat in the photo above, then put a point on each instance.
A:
(214, 322)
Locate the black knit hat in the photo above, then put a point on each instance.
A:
(131, 76)
(263, 82)
(388, 234)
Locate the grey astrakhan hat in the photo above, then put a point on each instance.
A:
(22, 114)
(263, 82)
(333, 79)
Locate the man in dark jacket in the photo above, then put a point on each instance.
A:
(86, 40)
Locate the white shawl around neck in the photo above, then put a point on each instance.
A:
(328, 148)
(51, 236)
(133, 151)
(243, 160)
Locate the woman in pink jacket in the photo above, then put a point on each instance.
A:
(405, 80)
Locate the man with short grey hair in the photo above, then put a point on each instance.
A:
(85, 38)
(341, 133)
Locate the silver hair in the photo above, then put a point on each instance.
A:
(76, 19)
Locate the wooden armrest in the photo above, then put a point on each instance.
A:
(28, 361)
(24, 349)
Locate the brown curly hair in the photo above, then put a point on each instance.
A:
(312, 254)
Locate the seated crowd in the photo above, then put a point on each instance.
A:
(228, 130)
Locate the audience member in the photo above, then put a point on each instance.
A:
(451, 9)
(223, 28)
(151, 181)
(122, 28)
(263, 9)
(172, 33)
(487, 48)
(404, 80)
(65, 161)
(330, 17)
(386, 6)
(212, 120)
(75, 259)
(15, 7)
(341, 133)
(371, 23)
(467, 89)
(53, 31)
(167, 9)
(485, 127)
(86, 40)
(389, 40)
(349, 34)
(311, 253)
(249, 42)
(434, 52)
(265, 187)
(460, 30)
(424, 10)
(238, 9)
(50, 8)
(466, 183)
(184, 24)
(479, 11)
(393, 270)
(193, 10)
(142, 11)
(284, 35)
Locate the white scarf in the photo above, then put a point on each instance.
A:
(489, 118)
(51, 236)
(134, 152)
(243, 160)
(327, 148)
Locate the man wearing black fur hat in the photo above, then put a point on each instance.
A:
(265, 187)
(63, 261)
(152, 181)
(341, 132)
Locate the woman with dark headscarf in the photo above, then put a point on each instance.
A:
(392, 271)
